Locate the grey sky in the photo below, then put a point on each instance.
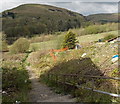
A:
(84, 7)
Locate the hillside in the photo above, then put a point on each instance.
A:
(96, 62)
(103, 18)
(28, 19)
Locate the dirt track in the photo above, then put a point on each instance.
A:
(41, 93)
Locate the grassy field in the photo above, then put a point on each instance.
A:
(56, 43)
(98, 53)
(96, 62)
(95, 37)
(47, 45)
(71, 62)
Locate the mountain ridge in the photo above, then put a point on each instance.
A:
(29, 19)
(37, 19)
(103, 17)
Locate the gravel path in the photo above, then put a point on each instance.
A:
(42, 93)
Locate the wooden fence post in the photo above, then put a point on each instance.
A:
(48, 78)
(56, 80)
(74, 86)
(64, 77)
(92, 89)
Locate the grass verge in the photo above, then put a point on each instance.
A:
(15, 81)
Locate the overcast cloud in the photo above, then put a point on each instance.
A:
(84, 7)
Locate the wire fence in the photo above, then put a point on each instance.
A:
(76, 79)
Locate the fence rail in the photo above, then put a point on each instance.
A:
(87, 76)
(74, 76)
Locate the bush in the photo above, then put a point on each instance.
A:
(16, 84)
(3, 43)
(109, 36)
(20, 46)
(69, 40)
(93, 29)
(3, 46)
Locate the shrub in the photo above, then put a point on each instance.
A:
(109, 36)
(3, 46)
(92, 29)
(69, 40)
(3, 43)
(16, 84)
(20, 46)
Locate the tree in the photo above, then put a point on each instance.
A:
(69, 40)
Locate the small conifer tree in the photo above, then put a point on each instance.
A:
(69, 40)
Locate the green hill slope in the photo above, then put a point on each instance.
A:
(29, 19)
(103, 18)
